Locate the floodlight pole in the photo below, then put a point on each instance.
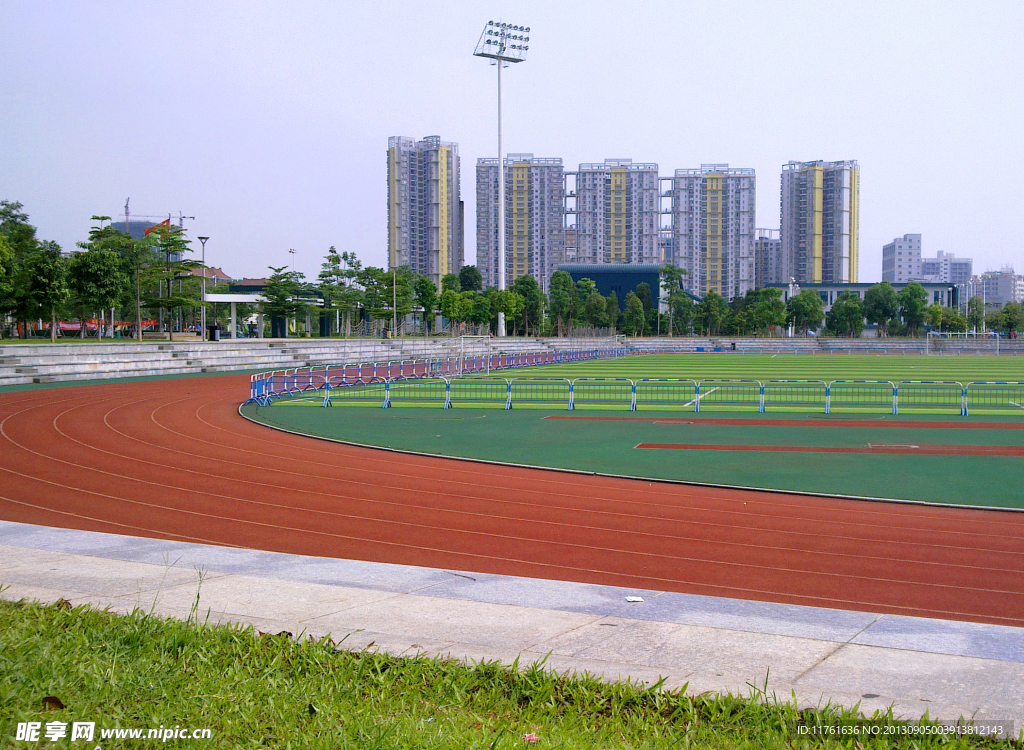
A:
(501, 209)
(503, 43)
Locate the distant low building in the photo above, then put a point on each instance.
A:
(946, 295)
(997, 288)
(902, 261)
(213, 275)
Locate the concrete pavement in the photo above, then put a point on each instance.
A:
(947, 669)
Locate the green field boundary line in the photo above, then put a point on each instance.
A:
(688, 483)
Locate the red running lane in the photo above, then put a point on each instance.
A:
(173, 459)
(878, 448)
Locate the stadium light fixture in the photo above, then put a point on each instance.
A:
(505, 43)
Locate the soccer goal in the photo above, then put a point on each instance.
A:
(955, 342)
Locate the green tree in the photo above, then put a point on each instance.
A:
(806, 310)
(1012, 316)
(765, 309)
(562, 300)
(881, 305)
(48, 290)
(479, 308)
(595, 309)
(450, 281)
(672, 286)
(913, 302)
(534, 302)
(98, 281)
(953, 320)
(470, 279)
(643, 293)
(633, 318)
(281, 294)
(933, 314)
(846, 318)
(612, 310)
(427, 298)
(976, 313)
(712, 313)
(173, 268)
(338, 279)
(450, 308)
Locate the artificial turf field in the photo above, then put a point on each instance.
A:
(923, 455)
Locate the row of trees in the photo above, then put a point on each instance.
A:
(114, 271)
(154, 274)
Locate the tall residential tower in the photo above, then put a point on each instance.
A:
(617, 212)
(820, 221)
(534, 218)
(424, 206)
(713, 224)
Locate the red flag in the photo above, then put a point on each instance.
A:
(163, 226)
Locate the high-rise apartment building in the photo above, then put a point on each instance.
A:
(901, 259)
(768, 258)
(820, 221)
(617, 212)
(425, 226)
(713, 221)
(534, 218)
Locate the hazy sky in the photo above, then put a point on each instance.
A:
(269, 122)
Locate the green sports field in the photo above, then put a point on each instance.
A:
(932, 455)
(791, 367)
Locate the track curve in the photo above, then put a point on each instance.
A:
(173, 459)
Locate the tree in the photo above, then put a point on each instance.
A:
(98, 280)
(479, 307)
(450, 307)
(1012, 316)
(768, 310)
(806, 310)
(712, 313)
(338, 278)
(976, 313)
(388, 295)
(643, 293)
(172, 269)
(881, 305)
(534, 302)
(913, 301)
(672, 285)
(427, 298)
(48, 290)
(470, 279)
(933, 314)
(595, 309)
(562, 299)
(846, 318)
(634, 318)
(953, 320)
(612, 310)
(450, 281)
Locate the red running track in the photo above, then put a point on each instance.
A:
(173, 459)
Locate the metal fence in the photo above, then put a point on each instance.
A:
(652, 393)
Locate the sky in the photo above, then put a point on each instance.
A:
(268, 121)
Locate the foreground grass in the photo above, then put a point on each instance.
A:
(254, 690)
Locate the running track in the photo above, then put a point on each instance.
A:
(173, 459)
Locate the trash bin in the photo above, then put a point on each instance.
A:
(214, 332)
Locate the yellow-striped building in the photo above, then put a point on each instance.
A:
(425, 224)
(713, 228)
(534, 218)
(820, 219)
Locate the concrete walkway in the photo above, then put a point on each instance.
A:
(947, 669)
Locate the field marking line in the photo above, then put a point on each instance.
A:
(1014, 403)
(707, 393)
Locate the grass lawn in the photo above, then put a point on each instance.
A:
(254, 690)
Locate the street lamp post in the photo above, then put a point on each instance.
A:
(504, 43)
(202, 307)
